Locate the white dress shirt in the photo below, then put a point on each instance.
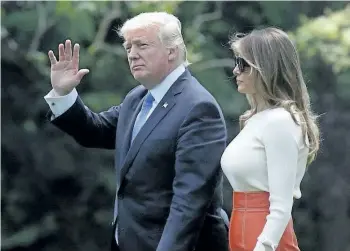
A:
(270, 155)
(60, 104)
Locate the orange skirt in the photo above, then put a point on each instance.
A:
(248, 219)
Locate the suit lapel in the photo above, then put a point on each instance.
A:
(162, 109)
(157, 115)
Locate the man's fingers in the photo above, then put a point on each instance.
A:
(61, 55)
(52, 57)
(81, 73)
(68, 50)
(75, 59)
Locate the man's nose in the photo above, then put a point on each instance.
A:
(133, 54)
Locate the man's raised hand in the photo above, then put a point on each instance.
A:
(65, 73)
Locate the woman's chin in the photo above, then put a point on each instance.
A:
(241, 89)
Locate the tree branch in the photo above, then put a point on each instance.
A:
(207, 17)
(99, 41)
(43, 25)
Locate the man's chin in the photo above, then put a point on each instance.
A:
(140, 77)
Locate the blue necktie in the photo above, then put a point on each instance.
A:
(142, 117)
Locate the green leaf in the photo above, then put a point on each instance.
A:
(328, 36)
(87, 6)
(102, 217)
(64, 8)
(25, 21)
(30, 126)
(101, 100)
(223, 89)
(345, 38)
(107, 179)
(274, 11)
(82, 26)
(29, 234)
(144, 6)
(343, 86)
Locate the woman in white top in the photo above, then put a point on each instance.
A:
(279, 137)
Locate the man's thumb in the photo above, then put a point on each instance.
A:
(81, 73)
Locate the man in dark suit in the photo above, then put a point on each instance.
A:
(168, 134)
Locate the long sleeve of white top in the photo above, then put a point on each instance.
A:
(282, 150)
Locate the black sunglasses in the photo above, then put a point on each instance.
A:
(241, 63)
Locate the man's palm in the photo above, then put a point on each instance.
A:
(65, 73)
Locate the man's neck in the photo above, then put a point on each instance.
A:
(151, 84)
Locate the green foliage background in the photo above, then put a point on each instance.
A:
(57, 195)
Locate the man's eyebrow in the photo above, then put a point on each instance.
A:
(139, 40)
(136, 40)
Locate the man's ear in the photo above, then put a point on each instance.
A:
(172, 53)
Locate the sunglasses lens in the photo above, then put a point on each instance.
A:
(241, 63)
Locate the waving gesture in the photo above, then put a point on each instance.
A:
(65, 73)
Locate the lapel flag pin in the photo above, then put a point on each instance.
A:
(165, 105)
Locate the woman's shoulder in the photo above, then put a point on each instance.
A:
(277, 115)
(277, 119)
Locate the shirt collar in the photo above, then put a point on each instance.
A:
(161, 89)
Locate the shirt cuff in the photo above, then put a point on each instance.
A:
(60, 104)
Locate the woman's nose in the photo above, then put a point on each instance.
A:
(236, 70)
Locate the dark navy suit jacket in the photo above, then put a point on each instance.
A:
(169, 180)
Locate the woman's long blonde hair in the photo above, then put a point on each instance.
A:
(279, 80)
